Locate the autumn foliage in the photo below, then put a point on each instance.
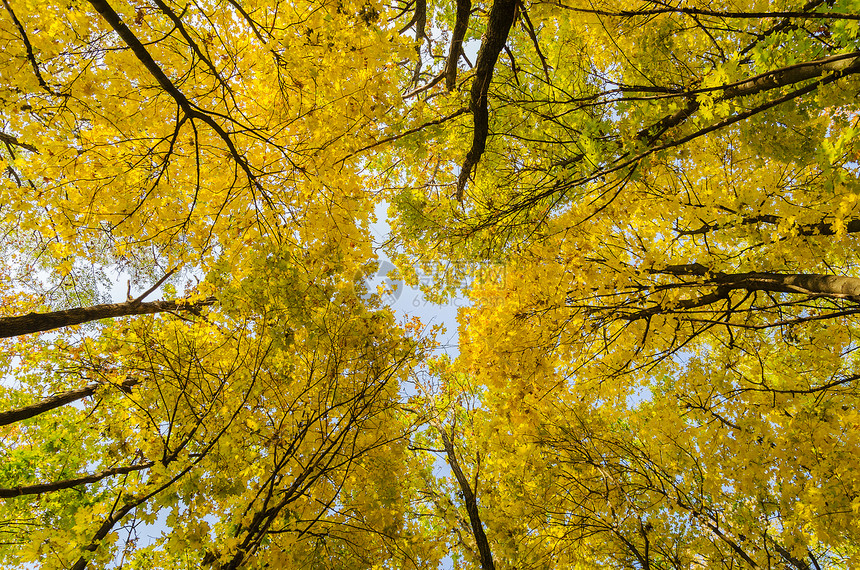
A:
(651, 207)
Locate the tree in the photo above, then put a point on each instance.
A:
(665, 369)
(651, 207)
(252, 413)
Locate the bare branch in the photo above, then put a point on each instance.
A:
(149, 291)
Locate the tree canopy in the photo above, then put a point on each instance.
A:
(651, 207)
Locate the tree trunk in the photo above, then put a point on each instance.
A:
(836, 286)
(471, 502)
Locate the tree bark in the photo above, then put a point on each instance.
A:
(68, 483)
(836, 286)
(461, 25)
(471, 505)
(39, 322)
(501, 19)
(822, 228)
(56, 401)
(813, 284)
(845, 64)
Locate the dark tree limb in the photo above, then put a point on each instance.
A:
(844, 65)
(31, 57)
(461, 25)
(501, 18)
(716, 13)
(795, 562)
(471, 505)
(784, 24)
(530, 29)
(191, 43)
(420, 21)
(56, 401)
(796, 391)
(813, 558)
(254, 26)
(770, 80)
(815, 229)
(402, 11)
(632, 161)
(783, 323)
(707, 517)
(152, 289)
(838, 287)
(39, 322)
(189, 109)
(69, 483)
(835, 286)
(108, 524)
(643, 560)
(814, 285)
(13, 141)
(732, 544)
(139, 50)
(427, 86)
(790, 74)
(720, 294)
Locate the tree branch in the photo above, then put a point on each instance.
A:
(39, 322)
(139, 50)
(816, 285)
(68, 483)
(189, 109)
(788, 75)
(816, 229)
(715, 13)
(530, 29)
(471, 505)
(461, 25)
(13, 141)
(56, 401)
(501, 19)
(835, 286)
(393, 138)
(31, 57)
(149, 291)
